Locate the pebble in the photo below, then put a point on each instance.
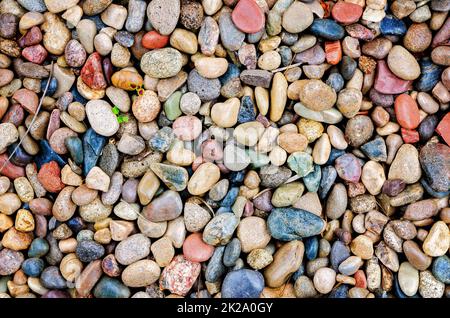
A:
(166, 207)
(231, 37)
(251, 284)
(88, 251)
(408, 279)
(109, 287)
(11, 261)
(437, 241)
(141, 273)
(405, 160)
(252, 233)
(429, 286)
(161, 63)
(440, 269)
(285, 262)
(132, 249)
(297, 17)
(179, 276)
(164, 15)
(324, 280)
(288, 224)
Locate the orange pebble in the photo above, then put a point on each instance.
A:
(407, 111)
(443, 129)
(333, 52)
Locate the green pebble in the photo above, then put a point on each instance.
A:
(301, 163)
(172, 106)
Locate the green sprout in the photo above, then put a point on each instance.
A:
(120, 118)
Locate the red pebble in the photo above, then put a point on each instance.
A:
(407, 111)
(27, 99)
(360, 279)
(14, 115)
(49, 177)
(443, 129)
(410, 136)
(179, 276)
(346, 12)
(35, 54)
(92, 74)
(248, 16)
(11, 171)
(333, 52)
(154, 40)
(387, 83)
(107, 69)
(195, 250)
(360, 32)
(32, 37)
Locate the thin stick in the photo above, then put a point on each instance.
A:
(286, 67)
(32, 121)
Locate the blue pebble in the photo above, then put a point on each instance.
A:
(38, 248)
(339, 292)
(348, 67)
(109, 287)
(327, 29)
(20, 157)
(441, 269)
(76, 224)
(93, 144)
(51, 88)
(25, 206)
(431, 191)
(288, 224)
(339, 253)
(231, 73)
(375, 149)
(329, 175)
(232, 252)
(33, 266)
(243, 283)
(224, 209)
(236, 177)
(247, 111)
(392, 26)
(336, 81)
(299, 272)
(47, 154)
(312, 180)
(33, 5)
(230, 197)
(215, 268)
(75, 147)
(334, 154)
(286, 55)
(430, 75)
(77, 96)
(311, 248)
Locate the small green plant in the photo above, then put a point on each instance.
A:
(120, 118)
